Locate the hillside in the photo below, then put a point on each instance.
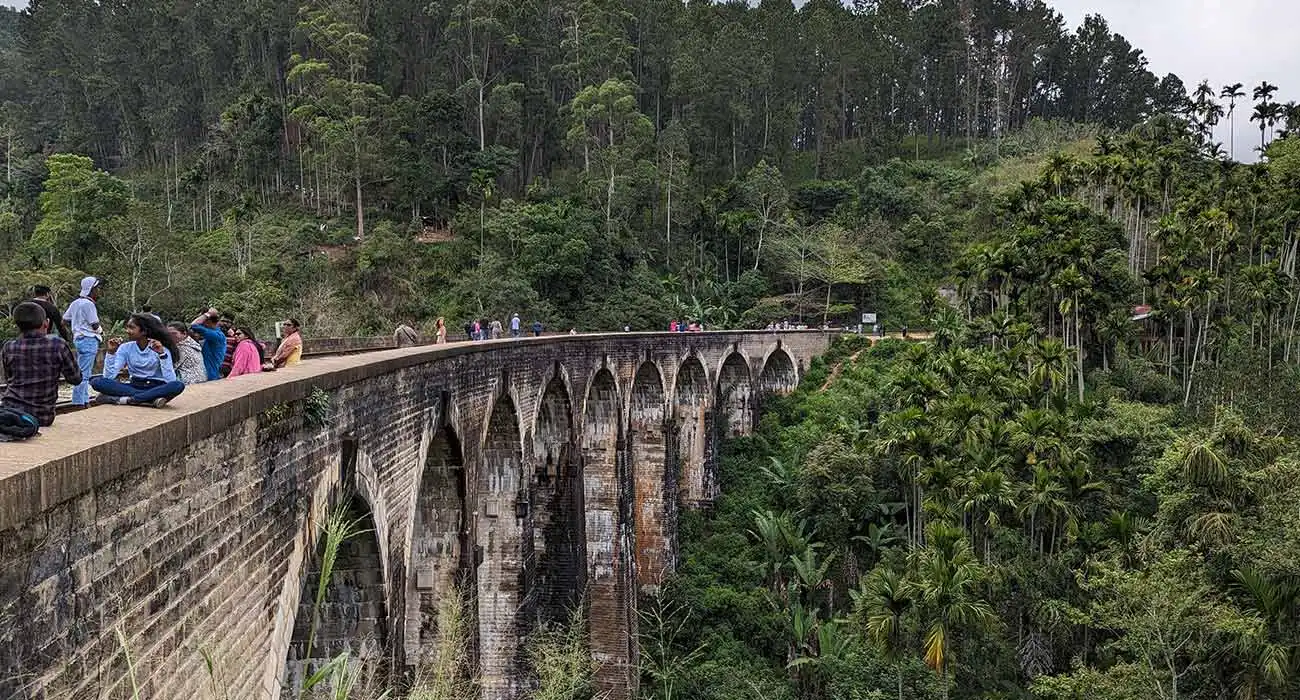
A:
(593, 163)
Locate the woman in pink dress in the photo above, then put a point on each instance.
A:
(248, 354)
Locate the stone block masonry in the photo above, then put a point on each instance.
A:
(535, 474)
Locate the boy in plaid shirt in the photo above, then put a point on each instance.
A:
(33, 364)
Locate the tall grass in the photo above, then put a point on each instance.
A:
(561, 661)
(445, 673)
(337, 529)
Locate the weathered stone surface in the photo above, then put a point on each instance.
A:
(534, 474)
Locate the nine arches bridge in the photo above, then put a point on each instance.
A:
(535, 475)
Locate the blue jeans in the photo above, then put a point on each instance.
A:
(87, 348)
(139, 390)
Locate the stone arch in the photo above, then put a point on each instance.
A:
(780, 375)
(440, 550)
(691, 408)
(500, 573)
(653, 508)
(608, 581)
(352, 616)
(735, 395)
(555, 498)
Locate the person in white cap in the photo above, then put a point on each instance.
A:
(82, 317)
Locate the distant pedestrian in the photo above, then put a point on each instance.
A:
(537, 328)
(42, 296)
(477, 331)
(440, 337)
(469, 330)
(495, 329)
(405, 336)
(33, 364)
(83, 321)
(573, 331)
(147, 310)
(514, 326)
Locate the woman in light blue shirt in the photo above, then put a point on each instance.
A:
(148, 357)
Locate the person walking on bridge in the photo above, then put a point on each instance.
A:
(495, 329)
(149, 358)
(405, 336)
(83, 320)
(514, 326)
(440, 337)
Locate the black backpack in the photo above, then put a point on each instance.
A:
(16, 425)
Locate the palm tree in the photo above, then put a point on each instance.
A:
(1049, 365)
(1264, 92)
(1268, 647)
(949, 576)
(883, 597)
(1262, 114)
(1232, 93)
(1208, 108)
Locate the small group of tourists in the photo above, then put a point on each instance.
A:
(475, 329)
(150, 366)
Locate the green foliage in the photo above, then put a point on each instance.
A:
(952, 521)
(562, 662)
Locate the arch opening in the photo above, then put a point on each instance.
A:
(501, 576)
(653, 511)
(779, 376)
(555, 493)
(735, 396)
(352, 614)
(440, 570)
(691, 405)
(610, 610)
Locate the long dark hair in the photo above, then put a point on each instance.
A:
(154, 329)
(248, 335)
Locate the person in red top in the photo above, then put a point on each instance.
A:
(33, 364)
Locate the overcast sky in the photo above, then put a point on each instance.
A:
(1223, 41)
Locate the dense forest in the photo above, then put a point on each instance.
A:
(1083, 487)
(589, 162)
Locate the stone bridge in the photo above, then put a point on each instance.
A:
(179, 552)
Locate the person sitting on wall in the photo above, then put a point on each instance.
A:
(189, 354)
(248, 357)
(149, 357)
(33, 364)
(290, 351)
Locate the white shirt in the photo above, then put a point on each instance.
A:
(83, 319)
